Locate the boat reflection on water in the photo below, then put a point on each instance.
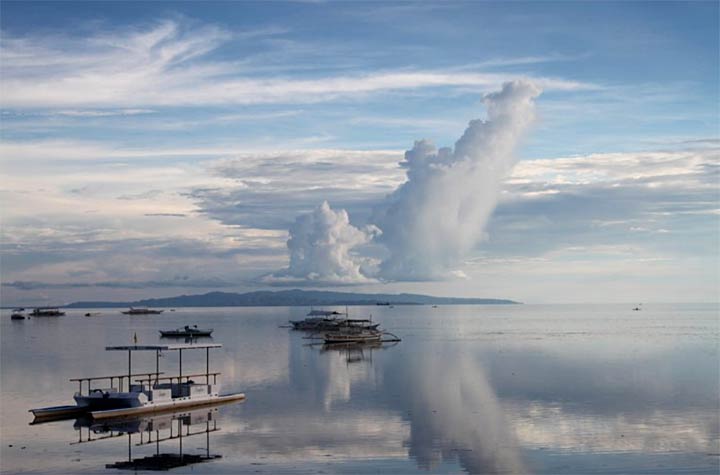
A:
(153, 430)
(356, 352)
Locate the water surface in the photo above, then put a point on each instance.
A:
(480, 389)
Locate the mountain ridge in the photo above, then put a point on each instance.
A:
(292, 298)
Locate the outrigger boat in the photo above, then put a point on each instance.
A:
(318, 324)
(324, 313)
(47, 312)
(145, 392)
(355, 335)
(187, 331)
(141, 311)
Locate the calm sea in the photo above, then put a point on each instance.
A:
(561, 389)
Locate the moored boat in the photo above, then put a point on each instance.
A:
(324, 313)
(141, 311)
(47, 312)
(145, 392)
(325, 324)
(363, 335)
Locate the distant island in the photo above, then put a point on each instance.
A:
(292, 298)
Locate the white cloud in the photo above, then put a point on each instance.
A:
(164, 65)
(320, 244)
(435, 218)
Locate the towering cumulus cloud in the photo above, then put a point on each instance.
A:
(437, 216)
(320, 244)
(434, 219)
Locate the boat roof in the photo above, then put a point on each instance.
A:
(178, 346)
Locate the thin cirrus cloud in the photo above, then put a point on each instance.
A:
(169, 64)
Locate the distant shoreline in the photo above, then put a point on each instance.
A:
(292, 298)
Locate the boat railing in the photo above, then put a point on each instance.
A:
(186, 377)
(120, 377)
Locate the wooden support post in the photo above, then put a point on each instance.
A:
(129, 368)
(157, 366)
(180, 434)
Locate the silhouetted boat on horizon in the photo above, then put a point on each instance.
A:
(142, 311)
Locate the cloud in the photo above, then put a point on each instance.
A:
(166, 64)
(320, 244)
(177, 282)
(600, 199)
(434, 219)
(166, 215)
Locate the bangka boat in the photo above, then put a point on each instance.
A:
(323, 324)
(187, 331)
(47, 312)
(142, 311)
(323, 313)
(312, 324)
(353, 336)
(145, 392)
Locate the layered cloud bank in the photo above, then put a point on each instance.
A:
(435, 218)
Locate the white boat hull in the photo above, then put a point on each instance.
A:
(166, 405)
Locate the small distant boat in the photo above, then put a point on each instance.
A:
(187, 331)
(47, 312)
(142, 311)
(18, 314)
(638, 308)
(92, 314)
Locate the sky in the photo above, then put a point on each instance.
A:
(543, 152)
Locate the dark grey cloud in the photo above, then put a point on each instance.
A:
(277, 208)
